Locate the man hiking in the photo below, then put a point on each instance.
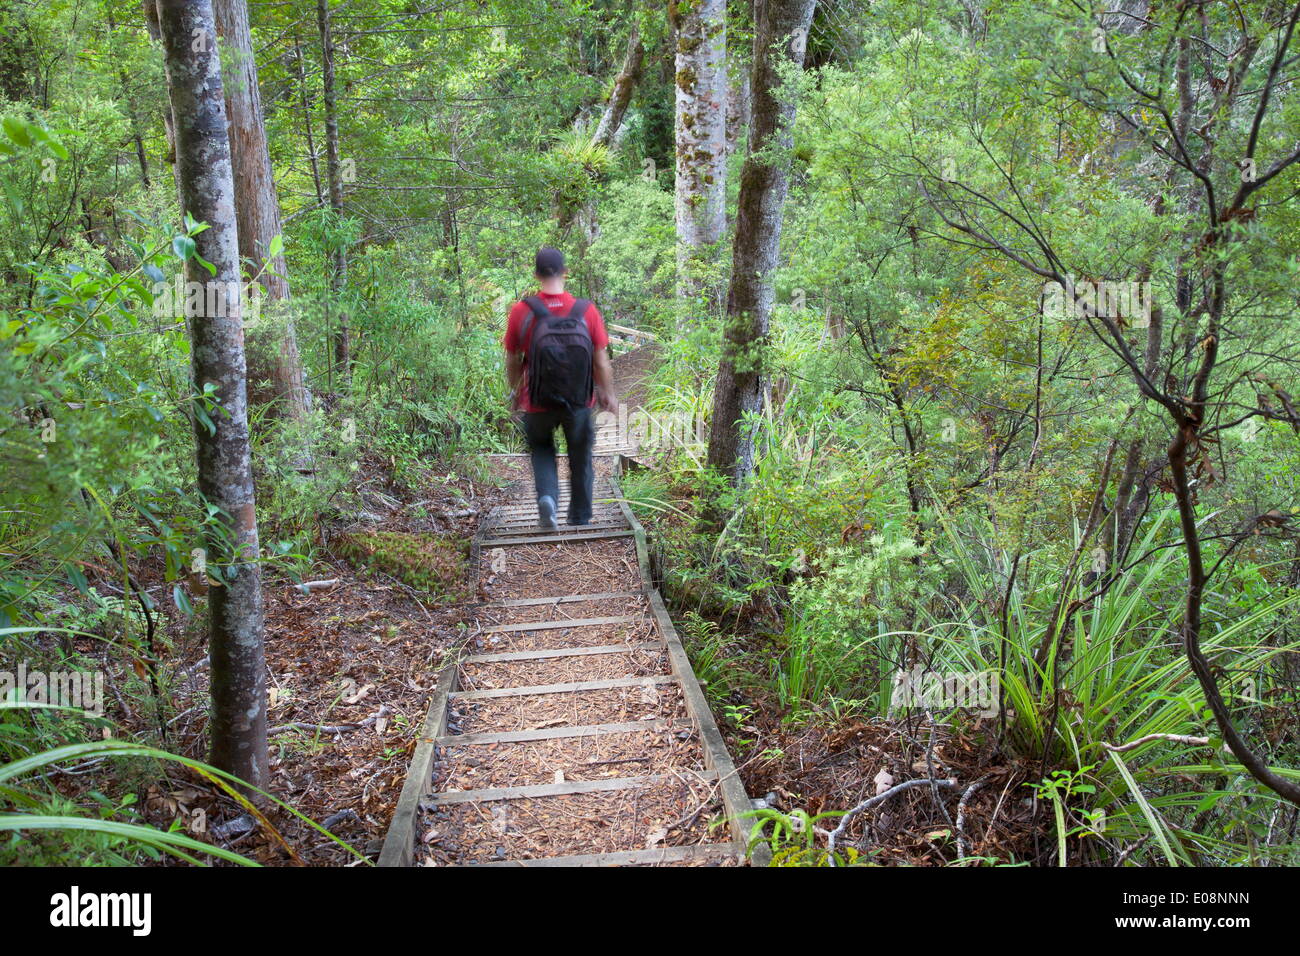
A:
(558, 372)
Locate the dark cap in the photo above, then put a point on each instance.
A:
(549, 263)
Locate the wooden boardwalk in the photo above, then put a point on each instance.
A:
(570, 729)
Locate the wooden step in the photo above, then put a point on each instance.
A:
(526, 510)
(572, 687)
(667, 854)
(565, 599)
(533, 528)
(556, 538)
(494, 794)
(529, 512)
(562, 652)
(570, 622)
(555, 733)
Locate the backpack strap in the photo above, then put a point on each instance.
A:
(579, 310)
(536, 309)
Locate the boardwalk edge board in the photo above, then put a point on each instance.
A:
(399, 842)
(735, 800)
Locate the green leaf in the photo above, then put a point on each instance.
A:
(18, 130)
(78, 579)
(172, 843)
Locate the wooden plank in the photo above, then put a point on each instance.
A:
(560, 652)
(529, 518)
(556, 538)
(399, 842)
(601, 489)
(518, 512)
(558, 733)
(571, 622)
(606, 510)
(667, 854)
(529, 515)
(493, 794)
(565, 599)
(716, 755)
(522, 528)
(628, 330)
(572, 687)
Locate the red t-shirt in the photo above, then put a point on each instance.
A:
(560, 305)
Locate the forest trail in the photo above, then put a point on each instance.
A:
(572, 730)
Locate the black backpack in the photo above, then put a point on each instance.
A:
(559, 355)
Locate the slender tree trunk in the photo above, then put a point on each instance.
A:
(700, 135)
(306, 121)
(612, 119)
(129, 101)
(339, 276)
(780, 34)
(169, 122)
(258, 210)
(207, 190)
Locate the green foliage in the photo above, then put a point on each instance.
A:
(633, 255)
(793, 838)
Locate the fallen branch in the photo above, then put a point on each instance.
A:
(334, 819)
(1175, 738)
(384, 711)
(185, 673)
(306, 587)
(877, 800)
(962, 843)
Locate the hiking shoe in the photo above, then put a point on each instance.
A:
(546, 512)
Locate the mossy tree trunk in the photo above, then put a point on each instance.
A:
(257, 208)
(225, 473)
(700, 137)
(780, 35)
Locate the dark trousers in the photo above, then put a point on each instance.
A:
(579, 433)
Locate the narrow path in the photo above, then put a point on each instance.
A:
(570, 730)
(572, 738)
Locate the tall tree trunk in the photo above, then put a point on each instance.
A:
(306, 121)
(129, 101)
(339, 276)
(780, 34)
(169, 122)
(207, 190)
(700, 135)
(612, 119)
(257, 208)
